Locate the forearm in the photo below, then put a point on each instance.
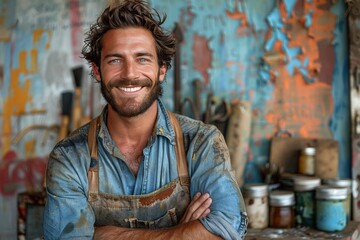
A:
(192, 230)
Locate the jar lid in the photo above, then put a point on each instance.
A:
(281, 198)
(287, 180)
(336, 182)
(331, 193)
(255, 190)
(309, 150)
(306, 183)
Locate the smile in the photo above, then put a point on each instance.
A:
(130, 89)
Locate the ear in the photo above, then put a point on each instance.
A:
(162, 73)
(96, 71)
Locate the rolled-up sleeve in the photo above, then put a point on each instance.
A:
(211, 173)
(67, 214)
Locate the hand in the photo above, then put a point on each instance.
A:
(198, 208)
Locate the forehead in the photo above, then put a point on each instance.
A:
(128, 39)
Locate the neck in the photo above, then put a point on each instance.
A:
(131, 134)
(134, 130)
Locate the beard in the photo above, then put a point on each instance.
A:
(129, 107)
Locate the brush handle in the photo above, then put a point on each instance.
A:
(64, 127)
(76, 111)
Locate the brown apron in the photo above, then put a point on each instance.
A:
(159, 209)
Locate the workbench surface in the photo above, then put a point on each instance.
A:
(351, 232)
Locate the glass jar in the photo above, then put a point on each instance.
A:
(331, 208)
(304, 189)
(281, 213)
(347, 183)
(256, 203)
(306, 163)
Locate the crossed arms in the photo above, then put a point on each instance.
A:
(189, 227)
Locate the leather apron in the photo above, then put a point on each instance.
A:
(159, 209)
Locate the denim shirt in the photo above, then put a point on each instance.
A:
(68, 214)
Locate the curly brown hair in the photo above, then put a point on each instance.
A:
(129, 13)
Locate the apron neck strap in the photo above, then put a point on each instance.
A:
(93, 175)
(180, 150)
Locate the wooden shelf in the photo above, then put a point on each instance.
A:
(351, 232)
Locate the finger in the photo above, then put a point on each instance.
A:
(198, 207)
(201, 209)
(196, 203)
(197, 200)
(196, 196)
(187, 215)
(205, 213)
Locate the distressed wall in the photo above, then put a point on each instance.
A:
(287, 58)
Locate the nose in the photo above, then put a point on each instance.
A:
(129, 70)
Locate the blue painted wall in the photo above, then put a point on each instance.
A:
(288, 59)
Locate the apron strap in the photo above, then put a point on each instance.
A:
(180, 151)
(93, 176)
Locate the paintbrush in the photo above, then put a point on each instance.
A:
(77, 111)
(66, 106)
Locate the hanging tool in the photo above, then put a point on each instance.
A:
(195, 105)
(77, 110)
(238, 138)
(177, 68)
(66, 106)
(216, 112)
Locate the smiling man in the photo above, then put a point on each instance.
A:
(138, 171)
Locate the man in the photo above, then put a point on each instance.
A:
(138, 171)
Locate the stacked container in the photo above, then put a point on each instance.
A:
(256, 203)
(331, 208)
(281, 209)
(347, 183)
(304, 188)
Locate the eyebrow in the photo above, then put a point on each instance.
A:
(138, 54)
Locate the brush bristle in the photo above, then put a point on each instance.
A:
(78, 73)
(66, 102)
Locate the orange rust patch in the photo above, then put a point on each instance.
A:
(147, 201)
(15, 103)
(37, 35)
(237, 16)
(202, 62)
(304, 109)
(30, 148)
(47, 46)
(33, 60)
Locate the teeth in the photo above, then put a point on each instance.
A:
(132, 89)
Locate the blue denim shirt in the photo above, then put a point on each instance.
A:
(69, 215)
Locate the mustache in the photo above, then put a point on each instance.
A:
(130, 82)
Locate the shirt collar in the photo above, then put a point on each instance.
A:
(163, 128)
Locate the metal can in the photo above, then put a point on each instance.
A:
(306, 163)
(347, 183)
(304, 189)
(256, 203)
(281, 214)
(331, 208)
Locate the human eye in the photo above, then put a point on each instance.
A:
(143, 60)
(115, 60)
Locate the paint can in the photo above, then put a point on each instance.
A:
(281, 213)
(347, 183)
(306, 163)
(304, 189)
(256, 203)
(331, 208)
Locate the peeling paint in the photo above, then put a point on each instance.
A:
(288, 58)
(202, 62)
